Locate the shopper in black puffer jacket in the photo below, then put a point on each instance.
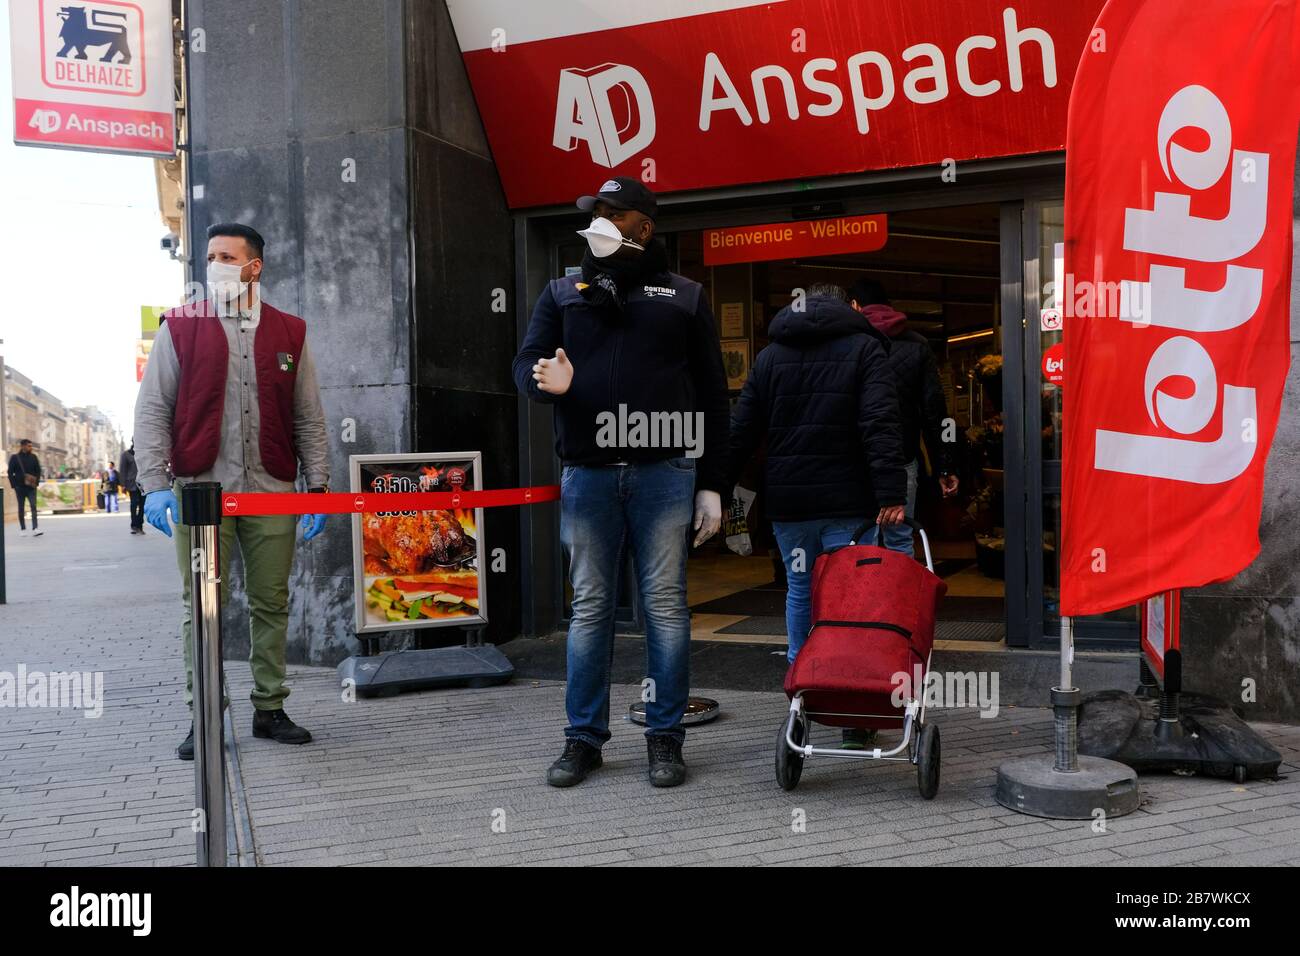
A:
(920, 399)
(824, 395)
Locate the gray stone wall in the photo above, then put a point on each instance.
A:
(288, 99)
(463, 317)
(1249, 627)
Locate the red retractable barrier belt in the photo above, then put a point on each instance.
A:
(236, 505)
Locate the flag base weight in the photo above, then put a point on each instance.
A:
(1202, 735)
(1067, 786)
(1033, 785)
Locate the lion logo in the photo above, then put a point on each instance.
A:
(102, 28)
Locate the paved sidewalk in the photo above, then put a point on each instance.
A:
(456, 776)
(89, 596)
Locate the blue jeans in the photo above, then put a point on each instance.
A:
(899, 537)
(605, 509)
(110, 502)
(809, 538)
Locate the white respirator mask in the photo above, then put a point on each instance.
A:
(604, 238)
(224, 282)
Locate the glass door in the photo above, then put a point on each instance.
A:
(1045, 377)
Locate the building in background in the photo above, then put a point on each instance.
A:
(101, 441)
(21, 411)
(70, 442)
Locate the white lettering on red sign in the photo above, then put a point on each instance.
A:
(585, 111)
(1169, 229)
(871, 81)
(610, 107)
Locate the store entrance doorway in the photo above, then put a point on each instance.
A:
(942, 268)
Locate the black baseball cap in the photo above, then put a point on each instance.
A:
(623, 192)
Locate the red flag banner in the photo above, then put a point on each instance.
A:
(1180, 158)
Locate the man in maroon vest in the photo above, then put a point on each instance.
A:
(230, 395)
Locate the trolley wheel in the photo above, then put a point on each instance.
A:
(927, 762)
(789, 765)
(1239, 773)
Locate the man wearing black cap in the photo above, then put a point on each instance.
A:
(628, 355)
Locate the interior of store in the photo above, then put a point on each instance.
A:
(941, 268)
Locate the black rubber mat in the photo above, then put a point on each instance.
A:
(767, 601)
(764, 602)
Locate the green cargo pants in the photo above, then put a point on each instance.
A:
(267, 544)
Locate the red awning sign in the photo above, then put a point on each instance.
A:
(795, 240)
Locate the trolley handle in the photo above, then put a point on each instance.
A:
(880, 537)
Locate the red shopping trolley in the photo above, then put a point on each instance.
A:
(865, 660)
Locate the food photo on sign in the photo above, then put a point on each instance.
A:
(418, 568)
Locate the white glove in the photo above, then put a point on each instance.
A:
(708, 515)
(553, 375)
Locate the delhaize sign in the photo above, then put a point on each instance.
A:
(93, 74)
(1178, 218)
(687, 94)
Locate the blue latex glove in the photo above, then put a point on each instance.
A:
(156, 506)
(312, 525)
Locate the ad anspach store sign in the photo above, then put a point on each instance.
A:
(689, 94)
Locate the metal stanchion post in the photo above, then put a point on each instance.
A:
(1065, 706)
(201, 512)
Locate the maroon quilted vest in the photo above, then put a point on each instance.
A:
(203, 355)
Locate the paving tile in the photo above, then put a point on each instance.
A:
(456, 776)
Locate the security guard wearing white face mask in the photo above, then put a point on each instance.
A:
(629, 341)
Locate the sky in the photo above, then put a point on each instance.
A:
(79, 255)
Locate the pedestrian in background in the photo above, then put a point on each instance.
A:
(24, 476)
(110, 489)
(130, 483)
(921, 405)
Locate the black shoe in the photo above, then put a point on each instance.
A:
(667, 768)
(186, 750)
(579, 759)
(276, 725)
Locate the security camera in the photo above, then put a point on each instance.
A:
(171, 244)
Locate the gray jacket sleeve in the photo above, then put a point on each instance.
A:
(309, 432)
(154, 407)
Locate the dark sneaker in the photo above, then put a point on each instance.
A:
(667, 768)
(186, 750)
(854, 739)
(579, 759)
(276, 725)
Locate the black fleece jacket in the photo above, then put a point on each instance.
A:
(825, 396)
(658, 354)
(20, 465)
